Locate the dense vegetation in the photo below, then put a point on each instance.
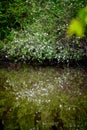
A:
(35, 30)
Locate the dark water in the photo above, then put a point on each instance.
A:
(43, 98)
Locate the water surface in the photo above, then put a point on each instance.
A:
(43, 98)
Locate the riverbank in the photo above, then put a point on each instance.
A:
(17, 65)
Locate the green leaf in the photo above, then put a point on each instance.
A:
(83, 15)
(76, 27)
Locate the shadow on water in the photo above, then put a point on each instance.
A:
(43, 98)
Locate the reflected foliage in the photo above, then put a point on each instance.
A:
(43, 98)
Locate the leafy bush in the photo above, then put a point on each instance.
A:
(15, 14)
(30, 45)
(39, 31)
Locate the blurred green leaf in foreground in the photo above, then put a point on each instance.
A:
(78, 25)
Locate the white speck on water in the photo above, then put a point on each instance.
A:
(60, 105)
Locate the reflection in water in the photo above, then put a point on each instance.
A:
(49, 98)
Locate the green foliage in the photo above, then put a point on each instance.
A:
(15, 14)
(36, 30)
(78, 26)
(30, 45)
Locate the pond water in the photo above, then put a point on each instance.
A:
(43, 98)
